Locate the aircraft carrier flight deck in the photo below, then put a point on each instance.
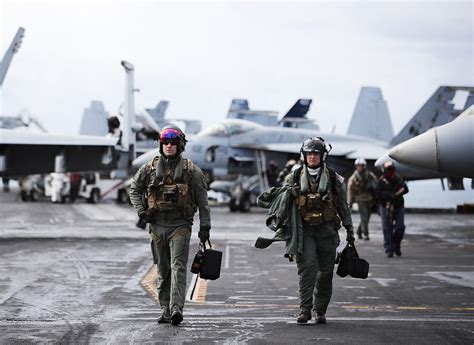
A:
(81, 273)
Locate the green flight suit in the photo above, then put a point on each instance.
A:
(170, 230)
(316, 263)
(360, 189)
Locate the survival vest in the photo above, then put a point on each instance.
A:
(360, 184)
(164, 194)
(315, 208)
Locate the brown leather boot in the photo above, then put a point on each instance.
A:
(320, 318)
(304, 317)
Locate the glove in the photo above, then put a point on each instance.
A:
(203, 234)
(350, 234)
(140, 223)
(147, 216)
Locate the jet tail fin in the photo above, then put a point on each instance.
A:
(438, 110)
(299, 109)
(7, 58)
(371, 117)
(94, 120)
(238, 104)
(158, 113)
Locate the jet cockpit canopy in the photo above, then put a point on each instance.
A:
(230, 127)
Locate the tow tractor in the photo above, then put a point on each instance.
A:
(95, 187)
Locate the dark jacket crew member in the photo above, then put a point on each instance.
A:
(389, 191)
(174, 189)
(322, 205)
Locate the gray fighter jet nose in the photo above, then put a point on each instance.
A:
(408, 172)
(420, 151)
(447, 149)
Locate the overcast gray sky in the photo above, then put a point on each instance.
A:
(201, 55)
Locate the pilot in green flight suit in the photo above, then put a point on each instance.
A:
(175, 188)
(322, 205)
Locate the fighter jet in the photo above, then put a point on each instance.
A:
(294, 118)
(439, 110)
(240, 109)
(237, 146)
(447, 149)
(27, 152)
(247, 139)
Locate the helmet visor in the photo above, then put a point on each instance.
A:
(170, 135)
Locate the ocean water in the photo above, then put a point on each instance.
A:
(429, 194)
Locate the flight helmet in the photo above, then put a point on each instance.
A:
(388, 166)
(389, 169)
(314, 145)
(113, 123)
(174, 135)
(360, 161)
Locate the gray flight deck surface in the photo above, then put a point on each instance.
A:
(76, 274)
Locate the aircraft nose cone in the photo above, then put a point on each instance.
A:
(420, 151)
(382, 159)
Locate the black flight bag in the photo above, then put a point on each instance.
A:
(210, 263)
(351, 264)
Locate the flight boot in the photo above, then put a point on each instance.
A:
(320, 318)
(165, 317)
(176, 318)
(304, 317)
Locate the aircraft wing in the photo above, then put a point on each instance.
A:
(26, 153)
(148, 122)
(366, 150)
(144, 158)
(346, 150)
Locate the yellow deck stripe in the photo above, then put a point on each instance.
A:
(199, 294)
(412, 308)
(149, 283)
